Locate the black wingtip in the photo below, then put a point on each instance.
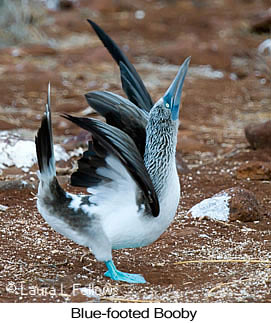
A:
(92, 23)
(81, 122)
(94, 26)
(67, 116)
(132, 77)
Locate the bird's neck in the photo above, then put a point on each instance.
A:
(160, 150)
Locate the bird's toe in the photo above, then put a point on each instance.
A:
(126, 277)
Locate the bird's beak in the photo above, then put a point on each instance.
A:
(172, 97)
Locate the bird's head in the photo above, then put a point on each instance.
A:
(169, 104)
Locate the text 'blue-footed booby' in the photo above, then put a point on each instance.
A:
(129, 169)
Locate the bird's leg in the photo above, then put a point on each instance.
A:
(115, 274)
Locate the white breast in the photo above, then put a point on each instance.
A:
(125, 227)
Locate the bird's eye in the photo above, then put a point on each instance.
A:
(167, 105)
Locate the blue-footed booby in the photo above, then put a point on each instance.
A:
(129, 169)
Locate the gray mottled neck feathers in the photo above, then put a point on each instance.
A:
(161, 140)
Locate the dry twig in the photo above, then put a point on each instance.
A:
(226, 284)
(211, 261)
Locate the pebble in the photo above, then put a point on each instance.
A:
(3, 207)
(259, 135)
(261, 22)
(244, 205)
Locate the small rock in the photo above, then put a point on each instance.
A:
(243, 205)
(256, 170)
(262, 22)
(52, 4)
(265, 47)
(66, 4)
(229, 205)
(259, 135)
(215, 207)
(3, 208)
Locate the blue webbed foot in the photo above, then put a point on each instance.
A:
(115, 274)
(126, 277)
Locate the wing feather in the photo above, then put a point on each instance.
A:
(132, 84)
(122, 114)
(118, 143)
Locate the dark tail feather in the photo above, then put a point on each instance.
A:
(44, 145)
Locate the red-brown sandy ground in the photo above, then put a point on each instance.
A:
(39, 265)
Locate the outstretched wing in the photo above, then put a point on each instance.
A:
(114, 142)
(93, 159)
(131, 82)
(121, 113)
